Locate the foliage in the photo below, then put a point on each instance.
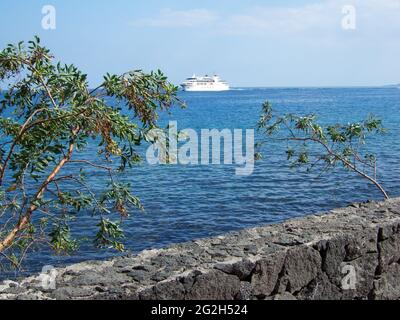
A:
(48, 118)
(310, 144)
(109, 235)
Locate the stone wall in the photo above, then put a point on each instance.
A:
(349, 253)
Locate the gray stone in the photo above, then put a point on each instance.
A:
(320, 289)
(170, 290)
(304, 258)
(67, 293)
(389, 251)
(139, 275)
(208, 286)
(27, 296)
(333, 253)
(246, 291)
(286, 296)
(14, 290)
(387, 287)
(302, 265)
(266, 273)
(365, 268)
(241, 269)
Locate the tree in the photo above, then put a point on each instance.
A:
(48, 117)
(311, 145)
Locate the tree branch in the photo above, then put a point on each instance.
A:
(344, 161)
(24, 221)
(91, 164)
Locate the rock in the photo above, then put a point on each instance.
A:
(14, 290)
(139, 275)
(302, 265)
(208, 286)
(386, 230)
(68, 293)
(27, 296)
(107, 277)
(250, 249)
(320, 289)
(389, 251)
(284, 296)
(333, 253)
(387, 287)
(170, 290)
(395, 209)
(241, 269)
(362, 271)
(246, 291)
(266, 274)
(349, 253)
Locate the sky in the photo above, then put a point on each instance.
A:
(249, 43)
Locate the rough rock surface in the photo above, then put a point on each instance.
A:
(349, 253)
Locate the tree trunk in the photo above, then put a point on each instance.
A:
(26, 217)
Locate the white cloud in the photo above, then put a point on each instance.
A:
(272, 20)
(322, 19)
(168, 18)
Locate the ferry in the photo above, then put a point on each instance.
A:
(205, 83)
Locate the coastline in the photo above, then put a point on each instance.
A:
(303, 258)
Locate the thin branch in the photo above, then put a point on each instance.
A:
(344, 161)
(15, 264)
(21, 132)
(91, 164)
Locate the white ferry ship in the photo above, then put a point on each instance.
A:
(205, 83)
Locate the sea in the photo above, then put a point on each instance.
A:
(188, 202)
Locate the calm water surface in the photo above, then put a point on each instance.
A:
(187, 202)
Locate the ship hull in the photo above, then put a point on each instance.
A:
(207, 89)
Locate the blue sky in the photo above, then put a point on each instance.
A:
(250, 43)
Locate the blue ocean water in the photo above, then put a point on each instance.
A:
(188, 202)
